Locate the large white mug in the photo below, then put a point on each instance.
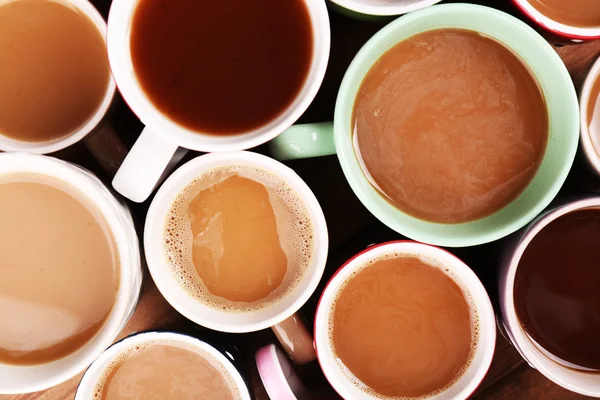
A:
(575, 380)
(338, 375)
(281, 314)
(9, 144)
(16, 379)
(156, 149)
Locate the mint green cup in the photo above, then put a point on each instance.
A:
(312, 140)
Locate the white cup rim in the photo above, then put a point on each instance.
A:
(484, 353)
(95, 371)
(9, 144)
(184, 302)
(383, 8)
(44, 376)
(119, 26)
(590, 152)
(570, 32)
(530, 352)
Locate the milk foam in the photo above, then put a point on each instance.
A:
(294, 228)
(468, 298)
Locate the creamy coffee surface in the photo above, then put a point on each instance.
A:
(238, 238)
(59, 268)
(450, 126)
(166, 371)
(403, 327)
(54, 72)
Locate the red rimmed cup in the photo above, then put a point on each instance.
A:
(570, 32)
(348, 386)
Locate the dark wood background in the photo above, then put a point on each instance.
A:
(351, 229)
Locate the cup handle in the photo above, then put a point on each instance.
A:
(147, 163)
(304, 141)
(295, 340)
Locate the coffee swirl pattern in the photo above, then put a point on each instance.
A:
(403, 328)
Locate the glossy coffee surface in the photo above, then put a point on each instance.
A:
(556, 288)
(54, 72)
(451, 126)
(59, 269)
(403, 327)
(221, 67)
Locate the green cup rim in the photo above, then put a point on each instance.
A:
(510, 218)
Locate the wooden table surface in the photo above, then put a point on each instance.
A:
(351, 228)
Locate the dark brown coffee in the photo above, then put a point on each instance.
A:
(221, 67)
(557, 288)
(451, 125)
(579, 13)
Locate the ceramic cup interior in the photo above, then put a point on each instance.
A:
(92, 378)
(586, 383)
(180, 298)
(461, 273)
(571, 32)
(9, 144)
(25, 379)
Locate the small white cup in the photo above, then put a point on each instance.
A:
(465, 277)
(92, 377)
(220, 320)
(155, 149)
(589, 150)
(383, 8)
(25, 379)
(9, 144)
(586, 383)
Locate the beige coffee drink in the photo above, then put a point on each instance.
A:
(59, 267)
(238, 238)
(166, 370)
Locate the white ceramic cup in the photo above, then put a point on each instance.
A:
(382, 8)
(9, 144)
(590, 146)
(574, 33)
(24, 379)
(158, 144)
(220, 320)
(461, 273)
(586, 383)
(93, 376)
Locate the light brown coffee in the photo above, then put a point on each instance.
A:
(451, 126)
(59, 269)
(403, 327)
(593, 116)
(579, 13)
(54, 72)
(166, 371)
(238, 238)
